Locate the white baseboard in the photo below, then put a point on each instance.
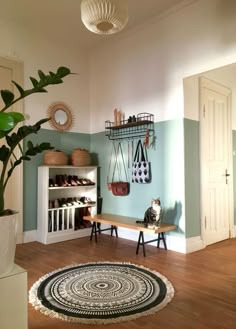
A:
(30, 236)
(174, 242)
(194, 244)
(234, 232)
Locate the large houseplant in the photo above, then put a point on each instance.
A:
(10, 141)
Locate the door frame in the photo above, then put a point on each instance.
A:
(207, 83)
(17, 69)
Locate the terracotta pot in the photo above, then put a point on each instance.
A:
(8, 229)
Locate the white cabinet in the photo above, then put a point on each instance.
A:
(13, 300)
(60, 209)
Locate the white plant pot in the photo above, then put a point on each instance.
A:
(8, 229)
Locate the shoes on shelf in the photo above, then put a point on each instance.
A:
(77, 180)
(60, 181)
(56, 204)
(78, 202)
(87, 200)
(51, 183)
(72, 181)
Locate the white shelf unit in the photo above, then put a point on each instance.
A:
(58, 224)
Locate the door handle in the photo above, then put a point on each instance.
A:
(226, 176)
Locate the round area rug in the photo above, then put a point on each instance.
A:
(96, 293)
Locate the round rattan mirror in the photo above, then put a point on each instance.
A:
(61, 116)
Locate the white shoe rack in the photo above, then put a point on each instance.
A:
(59, 224)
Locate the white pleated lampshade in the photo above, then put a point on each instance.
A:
(104, 16)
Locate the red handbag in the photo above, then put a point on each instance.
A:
(119, 188)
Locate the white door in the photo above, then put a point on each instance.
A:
(11, 70)
(216, 162)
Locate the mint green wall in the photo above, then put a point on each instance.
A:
(63, 141)
(167, 177)
(167, 181)
(192, 178)
(234, 173)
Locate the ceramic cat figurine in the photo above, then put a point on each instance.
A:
(152, 216)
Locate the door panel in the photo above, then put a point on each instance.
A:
(216, 190)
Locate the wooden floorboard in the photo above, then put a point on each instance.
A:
(204, 281)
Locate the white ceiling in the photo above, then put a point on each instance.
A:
(60, 19)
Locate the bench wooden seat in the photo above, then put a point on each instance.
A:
(128, 222)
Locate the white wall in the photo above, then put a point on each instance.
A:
(143, 71)
(36, 52)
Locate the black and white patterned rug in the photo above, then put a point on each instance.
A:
(96, 293)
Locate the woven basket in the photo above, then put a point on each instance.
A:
(80, 157)
(55, 158)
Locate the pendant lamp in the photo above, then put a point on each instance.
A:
(104, 16)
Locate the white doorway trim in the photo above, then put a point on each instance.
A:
(16, 68)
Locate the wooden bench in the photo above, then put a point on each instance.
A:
(128, 222)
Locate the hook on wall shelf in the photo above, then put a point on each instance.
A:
(130, 130)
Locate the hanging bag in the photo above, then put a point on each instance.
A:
(112, 155)
(141, 169)
(119, 188)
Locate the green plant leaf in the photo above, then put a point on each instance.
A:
(10, 119)
(20, 89)
(4, 151)
(63, 71)
(41, 75)
(6, 121)
(34, 82)
(7, 96)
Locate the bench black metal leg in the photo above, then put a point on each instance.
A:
(141, 242)
(99, 228)
(161, 236)
(164, 240)
(114, 228)
(94, 231)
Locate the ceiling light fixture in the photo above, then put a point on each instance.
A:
(104, 16)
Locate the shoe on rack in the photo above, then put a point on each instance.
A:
(72, 181)
(56, 204)
(69, 202)
(50, 182)
(66, 181)
(76, 179)
(60, 181)
(78, 202)
(89, 182)
(63, 202)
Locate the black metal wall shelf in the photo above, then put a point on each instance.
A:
(131, 129)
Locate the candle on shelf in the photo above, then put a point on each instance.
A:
(118, 118)
(115, 117)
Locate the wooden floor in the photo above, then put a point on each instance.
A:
(204, 281)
